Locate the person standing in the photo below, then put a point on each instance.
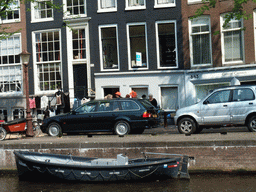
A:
(152, 100)
(118, 94)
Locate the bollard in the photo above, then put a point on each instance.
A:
(165, 120)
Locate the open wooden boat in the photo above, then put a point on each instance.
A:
(67, 167)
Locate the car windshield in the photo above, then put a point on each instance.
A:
(86, 108)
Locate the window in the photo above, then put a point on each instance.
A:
(129, 105)
(18, 113)
(87, 108)
(10, 65)
(200, 41)
(75, 7)
(137, 45)
(3, 114)
(232, 41)
(13, 13)
(79, 44)
(243, 95)
(194, 1)
(135, 4)
(219, 97)
(48, 61)
(107, 5)
(109, 47)
(41, 10)
(164, 3)
(166, 44)
(169, 98)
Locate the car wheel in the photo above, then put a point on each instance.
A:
(187, 126)
(251, 125)
(122, 128)
(54, 129)
(2, 133)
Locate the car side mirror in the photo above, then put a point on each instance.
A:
(205, 102)
(73, 112)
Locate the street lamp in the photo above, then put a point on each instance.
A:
(25, 60)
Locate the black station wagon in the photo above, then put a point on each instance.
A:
(121, 116)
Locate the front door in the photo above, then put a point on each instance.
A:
(216, 109)
(80, 81)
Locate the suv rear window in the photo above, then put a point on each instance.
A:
(129, 105)
(146, 103)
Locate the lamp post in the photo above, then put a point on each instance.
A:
(25, 60)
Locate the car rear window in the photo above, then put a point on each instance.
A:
(129, 105)
(146, 103)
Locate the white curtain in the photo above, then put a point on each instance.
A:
(169, 98)
(233, 46)
(107, 4)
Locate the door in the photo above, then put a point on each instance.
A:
(80, 81)
(215, 110)
(243, 101)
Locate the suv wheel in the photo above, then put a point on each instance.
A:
(251, 125)
(187, 126)
(122, 128)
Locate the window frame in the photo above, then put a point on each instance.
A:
(3, 21)
(194, 1)
(157, 5)
(65, 9)
(17, 67)
(19, 114)
(158, 45)
(200, 33)
(178, 100)
(36, 64)
(223, 43)
(103, 10)
(101, 47)
(33, 12)
(129, 46)
(127, 7)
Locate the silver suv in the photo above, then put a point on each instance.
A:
(229, 106)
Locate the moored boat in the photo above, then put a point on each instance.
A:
(74, 168)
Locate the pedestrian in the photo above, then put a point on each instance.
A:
(152, 100)
(127, 96)
(118, 94)
(109, 96)
(144, 96)
(133, 94)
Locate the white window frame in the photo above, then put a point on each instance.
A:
(127, 7)
(158, 46)
(16, 66)
(178, 100)
(102, 10)
(199, 33)
(68, 15)
(222, 41)
(13, 8)
(194, 1)
(20, 109)
(35, 63)
(117, 44)
(163, 5)
(33, 13)
(129, 46)
(79, 59)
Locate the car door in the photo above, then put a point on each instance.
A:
(243, 101)
(215, 109)
(80, 119)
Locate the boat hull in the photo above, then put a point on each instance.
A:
(155, 169)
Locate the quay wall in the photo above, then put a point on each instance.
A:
(226, 155)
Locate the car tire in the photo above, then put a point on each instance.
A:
(187, 126)
(54, 129)
(2, 133)
(251, 125)
(122, 128)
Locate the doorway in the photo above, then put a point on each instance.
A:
(80, 81)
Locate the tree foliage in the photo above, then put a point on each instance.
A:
(237, 11)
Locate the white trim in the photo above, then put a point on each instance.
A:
(194, 1)
(127, 7)
(200, 33)
(165, 5)
(222, 42)
(33, 12)
(67, 15)
(128, 45)
(36, 80)
(100, 46)
(157, 44)
(12, 20)
(104, 10)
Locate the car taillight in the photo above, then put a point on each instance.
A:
(146, 115)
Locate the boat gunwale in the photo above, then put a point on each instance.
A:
(20, 156)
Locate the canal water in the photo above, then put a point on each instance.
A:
(199, 182)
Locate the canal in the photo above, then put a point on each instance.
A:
(203, 182)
